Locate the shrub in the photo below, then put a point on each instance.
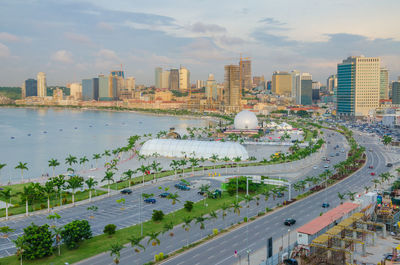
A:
(215, 231)
(75, 232)
(157, 216)
(252, 218)
(110, 229)
(156, 258)
(38, 241)
(260, 213)
(188, 206)
(245, 219)
(161, 256)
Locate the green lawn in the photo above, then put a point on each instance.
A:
(100, 244)
(19, 206)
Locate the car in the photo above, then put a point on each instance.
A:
(289, 221)
(164, 194)
(332, 155)
(337, 146)
(217, 193)
(325, 205)
(181, 187)
(389, 164)
(126, 191)
(150, 200)
(326, 166)
(372, 173)
(314, 167)
(337, 154)
(371, 167)
(388, 256)
(290, 262)
(201, 192)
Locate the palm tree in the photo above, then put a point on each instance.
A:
(341, 197)
(214, 159)
(186, 226)
(236, 207)
(376, 182)
(226, 160)
(5, 230)
(144, 169)
(203, 160)
(200, 220)
(74, 182)
(167, 227)
(20, 245)
(266, 194)
(386, 140)
(367, 188)
(248, 199)
(5, 195)
(83, 160)
(48, 190)
(27, 196)
(107, 153)
(59, 182)
(57, 234)
(1, 167)
(128, 175)
(153, 238)
(213, 215)
(351, 195)
(183, 163)
(90, 183)
(96, 157)
(237, 160)
(194, 162)
(173, 197)
(174, 165)
(135, 243)
(225, 208)
(115, 250)
(71, 160)
(154, 166)
(22, 166)
(109, 177)
(53, 163)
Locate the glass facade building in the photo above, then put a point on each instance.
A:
(345, 89)
(30, 88)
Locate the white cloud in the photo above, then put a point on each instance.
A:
(105, 26)
(4, 51)
(62, 56)
(83, 39)
(4, 36)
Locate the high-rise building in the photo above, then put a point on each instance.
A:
(232, 93)
(76, 91)
(41, 85)
(158, 77)
(306, 89)
(396, 92)
(258, 80)
(104, 94)
(31, 88)
(165, 79)
(200, 84)
(331, 83)
(23, 90)
(384, 84)
(358, 86)
(174, 79)
(316, 88)
(130, 83)
(87, 89)
(245, 74)
(113, 87)
(281, 83)
(184, 78)
(119, 73)
(211, 88)
(296, 86)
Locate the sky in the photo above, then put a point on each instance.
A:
(72, 40)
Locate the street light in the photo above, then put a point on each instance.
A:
(289, 242)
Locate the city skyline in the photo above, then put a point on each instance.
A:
(72, 40)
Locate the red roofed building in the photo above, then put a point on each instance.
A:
(321, 224)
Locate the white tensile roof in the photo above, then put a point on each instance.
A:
(182, 148)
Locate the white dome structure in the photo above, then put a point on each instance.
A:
(192, 148)
(246, 120)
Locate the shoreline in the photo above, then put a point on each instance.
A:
(155, 112)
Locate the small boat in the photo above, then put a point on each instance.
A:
(60, 130)
(90, 125)
(45, 132)
(29, 134)
(106, 124)
(12, 137)
(76, 128)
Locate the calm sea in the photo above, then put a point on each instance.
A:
(37, 135)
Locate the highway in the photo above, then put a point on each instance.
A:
(253, 235)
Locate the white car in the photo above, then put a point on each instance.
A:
(326, 166)
(314, 167)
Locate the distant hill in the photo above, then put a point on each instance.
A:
(15, 92)
(11, 92)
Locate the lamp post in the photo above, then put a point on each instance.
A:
(288, 242)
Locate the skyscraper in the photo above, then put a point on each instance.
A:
(76, 91)
(331, 83)
(306, 89)
(31, 88)
(130, 83)
(358, 85)
(232, 91)
(184, 78)
(87, 89)
(211, 88)
(281, 83)
(316, 87)
(165, 79)
(103, 88)
(174, 79)
(245, 72)
(384, 84)
(296, 86)
(396, 92)
(41, 85)
(158, 77)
